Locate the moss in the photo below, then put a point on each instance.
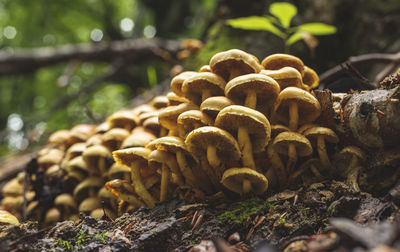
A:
(244, 210)
(81, 239)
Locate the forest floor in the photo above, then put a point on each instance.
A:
(324, 216)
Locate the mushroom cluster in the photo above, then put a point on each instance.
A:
(235, 127)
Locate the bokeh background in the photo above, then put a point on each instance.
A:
(35, 101)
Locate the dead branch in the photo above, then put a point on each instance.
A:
(134, 50)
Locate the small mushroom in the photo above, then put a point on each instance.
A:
(349, 163)
(113, 138)
(213, 105)
(292, 145)
(87, 188)
(53, 156)
(255, 91)
(136, 159)
(76, 171)
(295, 106)
(97, 159)
(143, 108)
(244, 181)
(75, 151)
(310, 79)
(96, 139)
(201, 86)
(251, 127)
(124, 191)
(7, 218)
(118, 171)
(286, 77)
(65, 202)
(280, 60)
(177, 81)
(89, 204)
(174, 99)
(205, 68)
(138, 139)
(215, 145)
(125, 119)
(160, 101)
(166, 161)
(233, 63)
(321, 135)
(102, 128)
(152, 124)
(52, 216)
(190, 120)
(12, 188)
(60, 138)
(168, 116)
(81, 133)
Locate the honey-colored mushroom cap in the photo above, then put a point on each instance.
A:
(200, 86)
(286, 77)
(310, 79)
(159, 101)
(280, 60)
(13, 188)
(90, 182)
(177, 81)
(213, 105)
(308, 107)
(81, 132)
(282, 141)
(126, 119)
(232, 63)
(174, 99)
(127, 156)
(65, 199)
(264, 89)
(232, 117)
(192, 119)
(205, 68)
(89, 204)
(234, 177)
(138, 139)
(168, 116)
(113, 138)
(60, 137)
(328, 134)
(75, 150)
(7, 218)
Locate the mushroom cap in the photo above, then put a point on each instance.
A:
(98, 213)
(102, 127)
(7, 218)
(143, 108)
(177, 81)
(191, 119)
(89, 204)
(81, 132)
(284, 139)
(96, 139)
(168, 116)
(75, 150)
(127, 156)
(13, 188)
(286, 77)
(105, 194)
(159, 101)
(351, 151)
(65, 200)
(276, 129)
(138, 139)
(158, 157)
(280, 60)
(233, 180)
(77, 164)
(174, 99)
(328, 134)
(123, 119)
(310, 78)
(53, 156)
(199, 139)
(232, 117)
(194, 86)
(152, 124)
(96, 151)
(224, 62)
(118, 169)
(305, 127)
(205, 68)
(52, 216)
(115, 134)
(96, 182)
(309, 108)
(170, 144)
(60, 137)
(54, 171)
(266, 88)
(212, 105)
(144, 116)
(117, 186)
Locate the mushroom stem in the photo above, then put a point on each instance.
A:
(246, 186)
(173, 133)
(210, 172)
(277, 166)
(292, 158)
(321, 148)
(185, 169)
(164, 182)
(173, 165)
(246, 148)
(251, 99)
(205, 94)
(293, 116)
(212, 157)
(163, 132)
(102, 165)
(315, 171)
(352, 178)
(138, 185)
(352, 165)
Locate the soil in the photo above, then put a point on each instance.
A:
(324, 216)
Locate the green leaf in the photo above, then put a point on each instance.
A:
(294, 38)
(256, 23)
(284, 12)
(317, 28)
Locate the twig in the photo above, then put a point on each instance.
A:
(356, 61)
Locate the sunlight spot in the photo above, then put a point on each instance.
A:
(10, 32)
(96, 35)
(15, 122)
(127, 25)
(149, 31)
